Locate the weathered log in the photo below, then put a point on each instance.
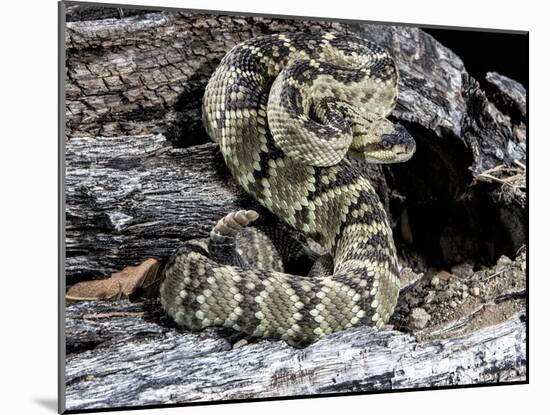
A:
(140, 64)
(132, 198)
(125, 76)
(82, 12)
(510, 96)
(133, 360)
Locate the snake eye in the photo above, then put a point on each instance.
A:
(386, 145)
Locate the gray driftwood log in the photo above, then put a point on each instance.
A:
(130, 198)
(132, 361)
(134, 85)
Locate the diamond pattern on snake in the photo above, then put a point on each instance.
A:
(289, 111)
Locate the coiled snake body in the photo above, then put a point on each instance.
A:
(287, 111)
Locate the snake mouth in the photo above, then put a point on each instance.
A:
(401, 150)
(393, 144)
(399, 143)
(404, 152)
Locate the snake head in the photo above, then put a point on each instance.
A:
(382, 142)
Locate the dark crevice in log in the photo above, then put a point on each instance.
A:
(184, 127)
(81, 346)
(453, 218)
(429, 187)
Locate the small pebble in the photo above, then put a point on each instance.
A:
(430, 297)
(504, 261)
(240, 343)
(474, 291)
(453, 304)
(444, 275)
(419, 318)
(464, 295)
(435, 281)
(408, 276)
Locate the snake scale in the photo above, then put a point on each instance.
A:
(288, 112)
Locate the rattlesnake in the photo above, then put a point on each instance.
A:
(288, 111)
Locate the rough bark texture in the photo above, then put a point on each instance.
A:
(126, 76)
(133, 361)
(141, 177)
(509, 95)
(129, 198)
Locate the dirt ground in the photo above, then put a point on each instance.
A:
(443, 304)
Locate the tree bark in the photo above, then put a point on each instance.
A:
(130, 198)
(122, 356)
(126, 76)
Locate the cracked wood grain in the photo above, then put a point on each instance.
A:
(124, 76)
(133, 360)
(130, 199)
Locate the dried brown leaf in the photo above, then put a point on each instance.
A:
(121, 284)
